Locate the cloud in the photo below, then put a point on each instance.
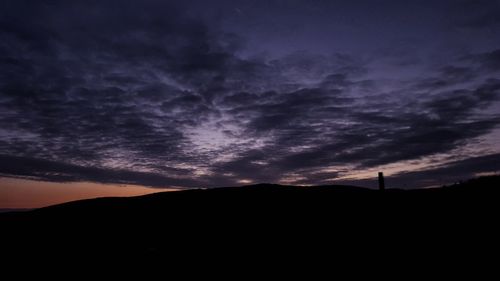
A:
(312, 129)
(94, 78)
(150, 94)
(450, 172)
(45, 170)
(448, 76)
(488, 61)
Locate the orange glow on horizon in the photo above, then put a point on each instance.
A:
(20, 193)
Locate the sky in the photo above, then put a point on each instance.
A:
(161, 95)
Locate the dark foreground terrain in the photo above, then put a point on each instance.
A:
(264, 220)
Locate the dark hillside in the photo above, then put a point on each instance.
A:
(239, 218)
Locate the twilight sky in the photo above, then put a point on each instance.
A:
(213, 93)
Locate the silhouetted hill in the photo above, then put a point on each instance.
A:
(242, 219)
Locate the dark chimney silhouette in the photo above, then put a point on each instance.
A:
(381, 183)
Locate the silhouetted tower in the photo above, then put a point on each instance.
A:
(381, 183)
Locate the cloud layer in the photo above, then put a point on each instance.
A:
(150, 94)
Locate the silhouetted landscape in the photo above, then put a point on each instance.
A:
(169, 222)
(168, 114)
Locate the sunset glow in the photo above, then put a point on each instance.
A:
(18, 193)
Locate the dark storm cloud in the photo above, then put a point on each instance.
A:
(153, 93)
